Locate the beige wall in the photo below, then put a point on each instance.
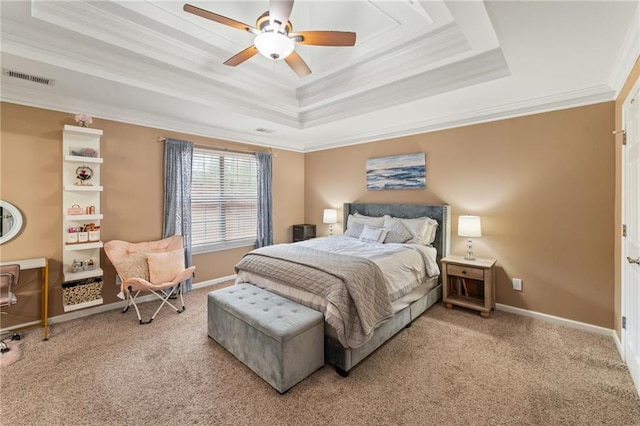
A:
(626, 89)
(30, 178)
(543, 185)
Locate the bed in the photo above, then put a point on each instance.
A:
(363, 305)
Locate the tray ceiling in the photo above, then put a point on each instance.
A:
(416, 66)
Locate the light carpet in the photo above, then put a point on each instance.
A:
(451, 367)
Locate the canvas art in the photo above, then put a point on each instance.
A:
(397, 172)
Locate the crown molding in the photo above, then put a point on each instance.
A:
(573, 99)
(34, 97)
(480, 68)
(381, 68)
(147, 77)
(627, 56)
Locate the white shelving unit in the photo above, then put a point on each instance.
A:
(79, 139)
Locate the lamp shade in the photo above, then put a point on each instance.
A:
(330, 216)
(469, 226)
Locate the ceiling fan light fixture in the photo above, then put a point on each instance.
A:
(274, 45)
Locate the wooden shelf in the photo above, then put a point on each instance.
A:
(81, 159)
(68, 308)
(83, 246)
(83, 217)
(72, 276)
(83, 131)
(82, 188)
(466, 301)
(81, 140)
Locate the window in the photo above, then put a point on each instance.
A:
(224, 202)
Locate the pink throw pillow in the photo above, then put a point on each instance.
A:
(165, 267)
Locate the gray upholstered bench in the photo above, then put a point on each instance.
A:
(280, 340)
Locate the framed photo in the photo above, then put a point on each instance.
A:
(397, 172)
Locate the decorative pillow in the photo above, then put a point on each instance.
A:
(372, 234)
(397, 231)
(355, 224)
(421, 230)
(372, 218)
(134, 266)
(165, 266)
(434, 229)
(354, 230)
(365, 220)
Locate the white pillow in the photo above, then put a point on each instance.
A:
(373, 234)
(363, 220)
(433, 224)
(398, 232)
(423, 230)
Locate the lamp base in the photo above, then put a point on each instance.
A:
(469, 254)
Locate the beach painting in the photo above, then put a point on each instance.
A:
(397, 172)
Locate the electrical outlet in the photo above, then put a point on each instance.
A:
(517, 284)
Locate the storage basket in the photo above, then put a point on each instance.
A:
(81, 291)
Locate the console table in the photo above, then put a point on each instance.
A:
(43, 264)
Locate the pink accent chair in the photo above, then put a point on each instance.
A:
(155, 266)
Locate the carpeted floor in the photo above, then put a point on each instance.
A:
(451, 367)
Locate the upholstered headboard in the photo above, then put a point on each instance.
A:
(441, 213)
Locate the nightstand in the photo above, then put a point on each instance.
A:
(469, 283)
(303, 231)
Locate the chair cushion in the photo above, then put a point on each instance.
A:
(164, 267)
(134, 266)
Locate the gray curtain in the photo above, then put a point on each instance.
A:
(265, 228)
(178, 157)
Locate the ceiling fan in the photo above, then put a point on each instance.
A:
(274, 38)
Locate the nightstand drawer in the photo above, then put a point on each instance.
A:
(466, 272)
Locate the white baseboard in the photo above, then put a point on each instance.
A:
(557, 320)
(619, 347)
(120, 305)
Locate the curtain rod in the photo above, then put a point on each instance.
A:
(224, 148)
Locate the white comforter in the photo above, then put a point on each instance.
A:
(405, 266)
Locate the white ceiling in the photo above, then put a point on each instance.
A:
(417, 65)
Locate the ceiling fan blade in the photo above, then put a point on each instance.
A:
(297, 64)
(218, 18)
(239, 58)
(325, 38)
(280, 10)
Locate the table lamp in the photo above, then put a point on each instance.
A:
(469, 226)
(330, 216)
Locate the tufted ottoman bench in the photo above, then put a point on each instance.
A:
(280, 340)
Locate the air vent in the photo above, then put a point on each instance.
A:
(263, 130)
(28, 77)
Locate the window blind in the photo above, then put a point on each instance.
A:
(224, 205)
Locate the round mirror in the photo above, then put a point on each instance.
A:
(10, 221)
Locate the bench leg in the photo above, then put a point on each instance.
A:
(341, 372)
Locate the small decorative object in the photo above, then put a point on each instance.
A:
(83, 119)
(75, 209)
(84, 175)
(397, 172)
(83, 152)
(76, 266)
(72, 236)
